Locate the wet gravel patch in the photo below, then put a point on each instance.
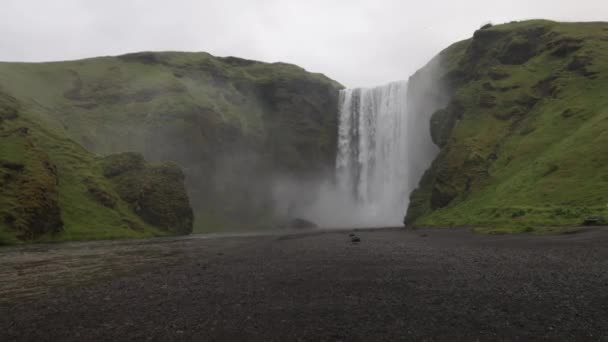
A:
(391, 284)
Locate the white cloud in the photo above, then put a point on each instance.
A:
(359, 43)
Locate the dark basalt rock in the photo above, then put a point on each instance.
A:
(481, 40)
(579, 64)
(595, 220)
(441, 196)
(443, 121)
(565, 46)
(523, 46)
(18, 167)
(547, 87)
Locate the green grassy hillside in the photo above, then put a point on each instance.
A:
(52, 189)
(524, 139)
(228, 122)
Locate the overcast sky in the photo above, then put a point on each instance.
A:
(359, 43)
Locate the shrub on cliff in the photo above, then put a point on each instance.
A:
(156, 193)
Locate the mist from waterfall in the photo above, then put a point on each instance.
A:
(371, 165)
(383, 149)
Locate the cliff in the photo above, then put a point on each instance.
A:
(524, 134)
(52, 189)
(233, 125)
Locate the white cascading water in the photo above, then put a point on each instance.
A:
(379, 161)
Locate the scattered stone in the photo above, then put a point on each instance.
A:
(355, 239)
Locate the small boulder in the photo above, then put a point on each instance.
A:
(594, 220)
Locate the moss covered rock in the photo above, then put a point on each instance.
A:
(156, 193)
(29, 204)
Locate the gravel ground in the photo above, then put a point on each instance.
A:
(321, 286)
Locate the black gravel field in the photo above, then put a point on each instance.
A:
(394, 284)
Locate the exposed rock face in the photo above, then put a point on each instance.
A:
(156, 193)
(515, 95)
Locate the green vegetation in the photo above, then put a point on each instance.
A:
(51, 189)
(524, 138)
(225, 121)
(157, 194)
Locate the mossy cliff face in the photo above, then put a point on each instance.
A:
(231, 124)
(29, 200)
(157, 194)
(51, 189)
(524, 136)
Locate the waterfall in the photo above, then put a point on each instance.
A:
(383, 149)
